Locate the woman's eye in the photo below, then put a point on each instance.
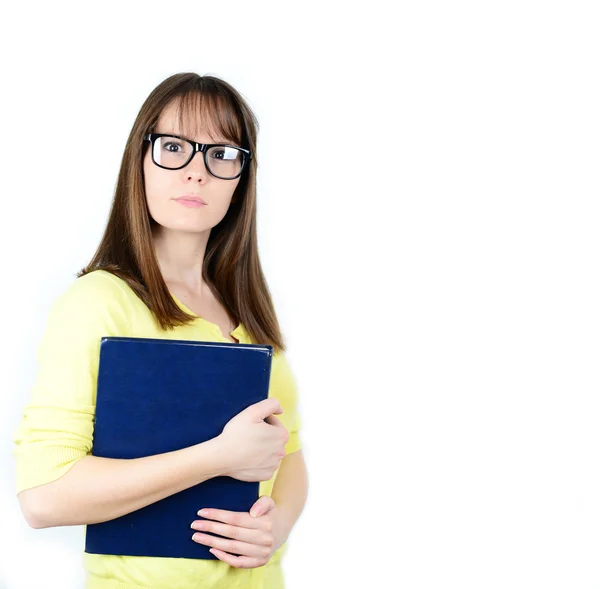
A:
(170, 144)
(218, 153)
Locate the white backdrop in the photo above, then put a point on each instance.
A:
(428, 223)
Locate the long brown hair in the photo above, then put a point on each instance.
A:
(231, 266)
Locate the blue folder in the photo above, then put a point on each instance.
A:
(160, 395)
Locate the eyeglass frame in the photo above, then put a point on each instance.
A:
(203, 147)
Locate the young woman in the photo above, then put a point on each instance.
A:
(178, 259)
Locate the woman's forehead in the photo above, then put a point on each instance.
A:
(192, 129)
(193, 124)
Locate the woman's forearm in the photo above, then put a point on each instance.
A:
(290, 490)
(99, 489)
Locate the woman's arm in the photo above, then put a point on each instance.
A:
(290, 489)
(97, 489)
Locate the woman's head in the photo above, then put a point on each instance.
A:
(203, 109)
(173, 168)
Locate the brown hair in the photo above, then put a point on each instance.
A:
(231, 266)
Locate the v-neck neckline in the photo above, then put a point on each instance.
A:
(236, 333)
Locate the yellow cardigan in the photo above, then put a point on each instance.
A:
(56, 428)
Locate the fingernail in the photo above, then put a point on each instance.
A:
(203, 512)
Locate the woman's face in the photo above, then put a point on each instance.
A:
(164, 186)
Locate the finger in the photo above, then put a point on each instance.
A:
(266, 407)
(241, 534)
(241, 519)
(240, 562)
(233, 546)
(263, 505)
(274, 421)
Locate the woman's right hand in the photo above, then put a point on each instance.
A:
(254, 442)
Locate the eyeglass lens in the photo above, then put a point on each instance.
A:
(171, 152)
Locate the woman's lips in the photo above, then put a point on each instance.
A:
(190, 203)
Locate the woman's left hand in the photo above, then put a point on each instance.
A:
(255, 535)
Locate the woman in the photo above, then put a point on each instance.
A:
(170, 268)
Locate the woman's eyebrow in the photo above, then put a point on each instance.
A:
(220, 141)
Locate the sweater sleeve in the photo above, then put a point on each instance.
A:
(285, 389)
(56, 427)
(294, 443)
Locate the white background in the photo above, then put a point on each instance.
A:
(428, 224)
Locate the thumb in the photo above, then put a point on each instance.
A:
(268, 407)
(263, 505)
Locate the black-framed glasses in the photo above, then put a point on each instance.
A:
(173, 152)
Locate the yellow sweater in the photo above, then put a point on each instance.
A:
(57, 423)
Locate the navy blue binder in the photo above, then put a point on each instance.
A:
(160, 395)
